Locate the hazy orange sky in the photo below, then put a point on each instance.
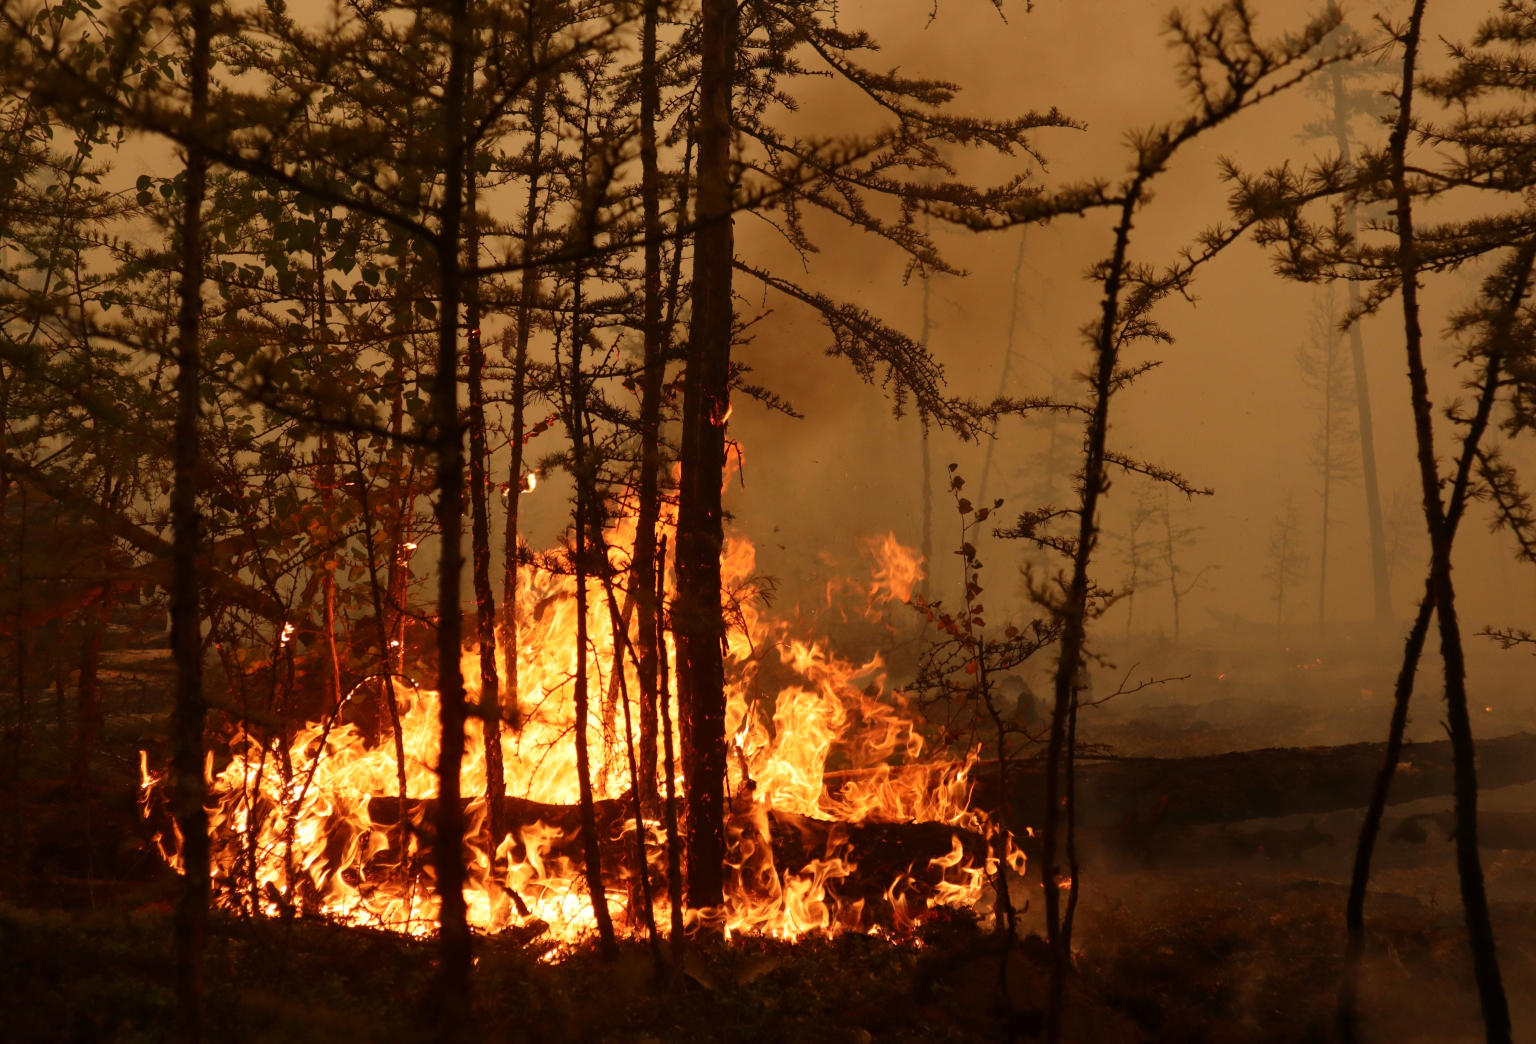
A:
(1227, 408)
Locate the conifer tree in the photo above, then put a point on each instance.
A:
(1486, 164)
(1226, 70)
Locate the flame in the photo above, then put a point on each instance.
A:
(316, 824)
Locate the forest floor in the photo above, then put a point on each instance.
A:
(1167, 958)
(1194, 946)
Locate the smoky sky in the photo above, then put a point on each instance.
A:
(1227, 407)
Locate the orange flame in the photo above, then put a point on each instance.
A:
(318, 825)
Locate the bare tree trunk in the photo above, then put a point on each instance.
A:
(1354, 910)
(1069, 665)
(643, 561)
(669, 771)
(88, 692)
(327, 484)
(1002, 381)
(621, 645)
(186, 613)
(328, 580)
(1171, 562)
(387, 678)
(1382, 586)
(697, 621)
(480, 526)
(1322, 557)
(527, 293)
(1490, 985)
(454, 939)
(926, 457)
(583, 466)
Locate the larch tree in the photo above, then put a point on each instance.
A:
(1483, 161)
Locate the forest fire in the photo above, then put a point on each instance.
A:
(381, 654)
(316, 826)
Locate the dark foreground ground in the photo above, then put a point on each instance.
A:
(1243, 952)
(1201, 939)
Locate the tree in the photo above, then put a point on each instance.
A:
(1351, 92)
(1477, 159)
(959, 686)
(1249, 72)
(764, 44)
(1176, 540)
(1137, 547)
(1328, 377)
(1287, 559)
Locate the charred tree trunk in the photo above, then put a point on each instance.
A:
(454, 940)
(621, 645)
(527, 293)
(381, 629)
(583, 468)
(327, 479)
(697, 621)
(643, 561)
(1490, 985)
(186, 613)
(1354, 910)
(1074, 613)
(88, 709)
(669, 771)
(480, 525)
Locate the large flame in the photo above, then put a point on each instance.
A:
(317, 826)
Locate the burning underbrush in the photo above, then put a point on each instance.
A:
(321, 819)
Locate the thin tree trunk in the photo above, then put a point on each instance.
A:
(1353, 914)
(1365, 847)
(1002, 382)
(926, 460)
(1382, 586)
(669, 771)
(1069, 664)
(186, 613)
(1171, 562)
(643, 561)
(621, 645)
(328, 580)
(387, 678)
(88, 708)
(327, 483)
(582, 468)
(697, 621)
(1490, 986)
(480, 526)
(1322, 576)
(448, 845)
(527, 294)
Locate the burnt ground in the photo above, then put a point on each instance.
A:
(1211, 934)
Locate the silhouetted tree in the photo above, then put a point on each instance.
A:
(1328, 377)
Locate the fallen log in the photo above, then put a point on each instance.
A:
(557, 829)
(917, 859)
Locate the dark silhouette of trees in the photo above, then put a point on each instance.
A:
(1477, 161)
(1226, 70)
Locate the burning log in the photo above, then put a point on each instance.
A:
(922, 860)
(558, 829)
(924, 863)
